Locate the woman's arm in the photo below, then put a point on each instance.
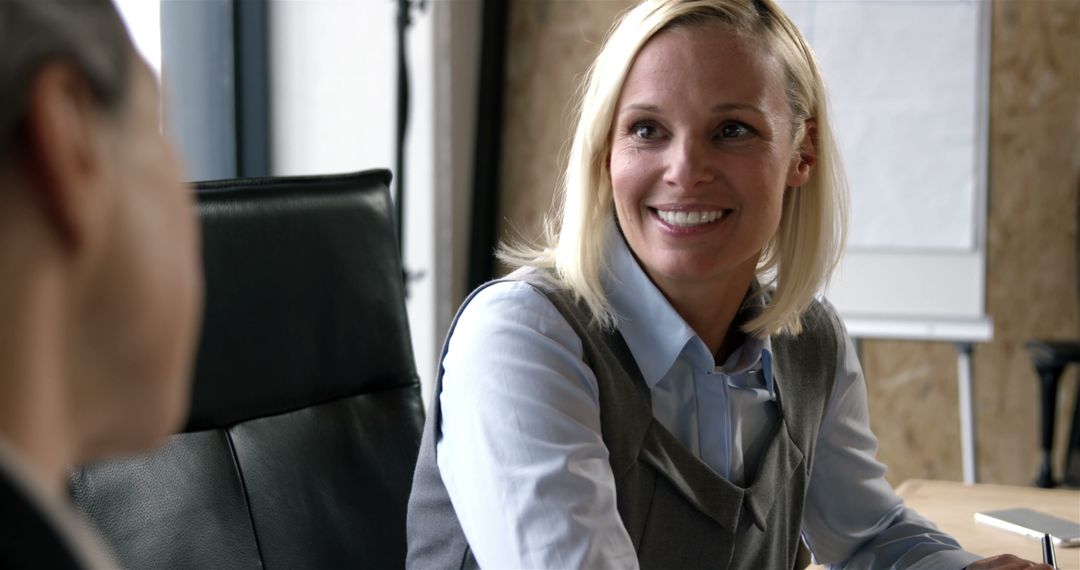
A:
(521, 453)
(853, 518)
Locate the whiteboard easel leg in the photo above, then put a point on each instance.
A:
(967, 412)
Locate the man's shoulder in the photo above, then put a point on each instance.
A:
(28, 538)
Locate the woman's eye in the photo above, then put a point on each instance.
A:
(644, 131)
(734, 131)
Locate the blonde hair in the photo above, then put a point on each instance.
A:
(797, 261)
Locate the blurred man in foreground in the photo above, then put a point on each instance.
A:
(100, 288)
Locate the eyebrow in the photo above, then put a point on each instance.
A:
(719, 108)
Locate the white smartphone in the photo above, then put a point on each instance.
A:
(1065, 533)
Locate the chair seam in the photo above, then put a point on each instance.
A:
(247, 497)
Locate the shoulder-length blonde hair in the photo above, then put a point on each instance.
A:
(799, 258)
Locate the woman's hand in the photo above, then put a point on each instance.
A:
(1007, 562)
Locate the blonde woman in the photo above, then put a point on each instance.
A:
(657, 385)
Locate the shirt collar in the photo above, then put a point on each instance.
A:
(655, 333)
(755, 355)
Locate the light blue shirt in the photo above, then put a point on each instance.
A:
(527, 471)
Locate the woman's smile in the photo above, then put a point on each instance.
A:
(689, 220)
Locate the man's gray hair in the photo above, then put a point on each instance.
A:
(88, 34)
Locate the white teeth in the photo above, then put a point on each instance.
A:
(683, 218)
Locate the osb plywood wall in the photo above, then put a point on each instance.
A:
(1032, 272)
(551, 44)
(1034, 185)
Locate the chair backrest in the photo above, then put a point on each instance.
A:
(306, 412)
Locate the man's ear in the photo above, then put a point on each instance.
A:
(803, 164)
(64, 154)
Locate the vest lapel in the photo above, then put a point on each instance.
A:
(643, 438)
(629, 408)
(778, 465)
(710, 493)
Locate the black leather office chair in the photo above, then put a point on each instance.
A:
(306, 413)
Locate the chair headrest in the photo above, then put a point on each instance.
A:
(304, 296)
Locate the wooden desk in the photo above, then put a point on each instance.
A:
(952, 506)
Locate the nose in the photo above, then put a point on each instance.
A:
(687, 164)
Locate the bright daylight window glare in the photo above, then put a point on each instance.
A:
(143, 21)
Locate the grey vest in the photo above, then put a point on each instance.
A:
(678, 511)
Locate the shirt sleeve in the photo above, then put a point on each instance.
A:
(853, 518)
(520, 452)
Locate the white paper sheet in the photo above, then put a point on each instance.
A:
(904, 89)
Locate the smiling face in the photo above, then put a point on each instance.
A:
(702, 153)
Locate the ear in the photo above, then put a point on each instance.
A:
(64, 152)
(803, 164)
